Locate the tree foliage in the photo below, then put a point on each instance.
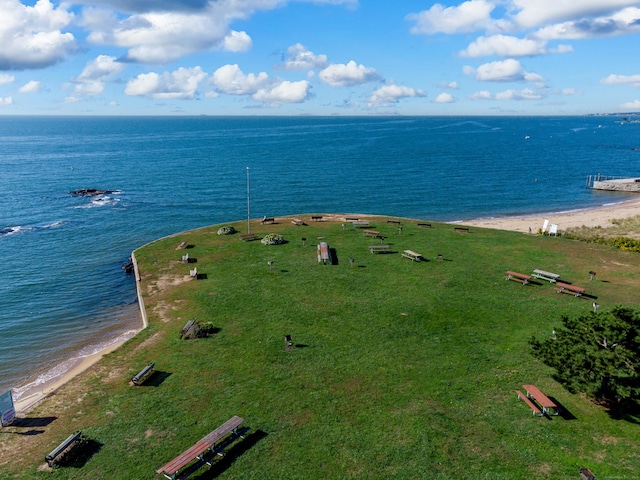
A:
(597, 354)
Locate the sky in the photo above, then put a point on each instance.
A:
(319, 57)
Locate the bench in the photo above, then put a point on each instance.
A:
(197, 451)
(424, 225)
(571, 289)
(416, 257)
(585, 474)
(379, 248)
(316, 218)
(359, 224)
(351, 219)
(461, 229)
(548, 276)
(267, 220)
(534, 408)
(185, 258)
(182, 246)
(324, 254)
(393, 221)
(194, 273)
(297, 221)
(143, 375)
(247, 237)
(371, 233)
(518, 277)
(65, 447)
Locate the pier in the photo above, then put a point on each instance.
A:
(618, 184)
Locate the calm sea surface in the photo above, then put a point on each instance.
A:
(63, 291)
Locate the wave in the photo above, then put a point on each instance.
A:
(101, 201)
(18, 229)
(6, 231)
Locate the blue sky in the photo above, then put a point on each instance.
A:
(319, 57)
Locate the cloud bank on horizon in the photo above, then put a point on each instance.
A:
(319, 57)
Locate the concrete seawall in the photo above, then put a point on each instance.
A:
(622, 185)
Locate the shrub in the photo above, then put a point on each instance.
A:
(226, 231)
(272, 239)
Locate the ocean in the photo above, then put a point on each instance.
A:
(64, 293)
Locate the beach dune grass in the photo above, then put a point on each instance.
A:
(398, 369)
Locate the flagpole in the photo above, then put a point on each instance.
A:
(248, 203)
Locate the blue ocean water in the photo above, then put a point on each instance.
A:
(63, 291)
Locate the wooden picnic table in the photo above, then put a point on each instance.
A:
(371, 233)
(548, 406)
(324, 254)
(572, 289)
(517, 277)
(548, 276)
(359, 223)
(416, 257)
(379, 248)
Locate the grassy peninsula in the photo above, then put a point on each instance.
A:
(399, 369)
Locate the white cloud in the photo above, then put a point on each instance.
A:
(509, 70)
(525, 94)
(467, 17)
(504, 46)
(32, 37)
(390, 94)
(299, 58)
(237, 42)
(5, 78)
(91, 80)
(32, 86)
(180, 84)
(481, 95)
(231, 80)
(6, 101)
(341, 75)
(623, 22)
(631, 80)
(450, 85)
(444, 98)
(284, 92)
(635, 105)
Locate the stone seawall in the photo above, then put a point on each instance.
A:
(626, 185)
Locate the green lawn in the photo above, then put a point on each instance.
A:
(399, 369)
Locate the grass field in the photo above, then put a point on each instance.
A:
(399, 369)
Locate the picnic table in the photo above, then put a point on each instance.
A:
(359, 223)
(572, 289)
(548, 276)
(324, 254)
(416, 257)
(517, 277)
(549, 407)
(379, 248)
(371, 233)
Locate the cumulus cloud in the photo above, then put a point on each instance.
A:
(635, 105)
(91, 80)
(444, 98)
(231, 80)
(284, 92)
(624, 22)
(341, 75)
(180, 84)
(4, 78)
(32, 36)
(391, 94)
(481, 95)
(300, 58)
(467, 17)
(525, 94)
(509, 46)
(237, 42)
(32, 86)
(631, 80)
(6, 101)
(509, 70)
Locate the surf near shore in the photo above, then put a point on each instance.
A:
(592, 217)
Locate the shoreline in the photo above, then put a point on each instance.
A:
(590, 217)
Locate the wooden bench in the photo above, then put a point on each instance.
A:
(210, 442)
(416, 257)
(571, 289)
(371, 233)
(379, 248)
(518, 277)
(351, 219)
(298, 222)
(316, 218)
(65, 447)
(182, 246)
(461, 229)
(247, 237)
(548, 276)
(359, 224)
(585, 474)
(393, 221)
(143, 375)
(534, 408)
(424, 225)
(267, 220)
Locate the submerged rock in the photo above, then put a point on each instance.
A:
(89, 192)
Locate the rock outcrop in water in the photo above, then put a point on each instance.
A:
(89, 192)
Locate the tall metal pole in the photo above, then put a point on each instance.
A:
(248, 203)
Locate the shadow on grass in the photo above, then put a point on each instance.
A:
(219, 467)
(156, 379)
(201, 276)
(563, 411)
(79, 455)
(33, 422)
(334, 256)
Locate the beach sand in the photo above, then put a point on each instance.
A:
(594, 217)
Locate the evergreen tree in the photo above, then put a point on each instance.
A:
(597, 354)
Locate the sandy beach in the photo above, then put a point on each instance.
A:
(593, 217)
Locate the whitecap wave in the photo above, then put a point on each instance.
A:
(6, 231)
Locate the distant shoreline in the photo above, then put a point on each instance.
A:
(589, 217)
